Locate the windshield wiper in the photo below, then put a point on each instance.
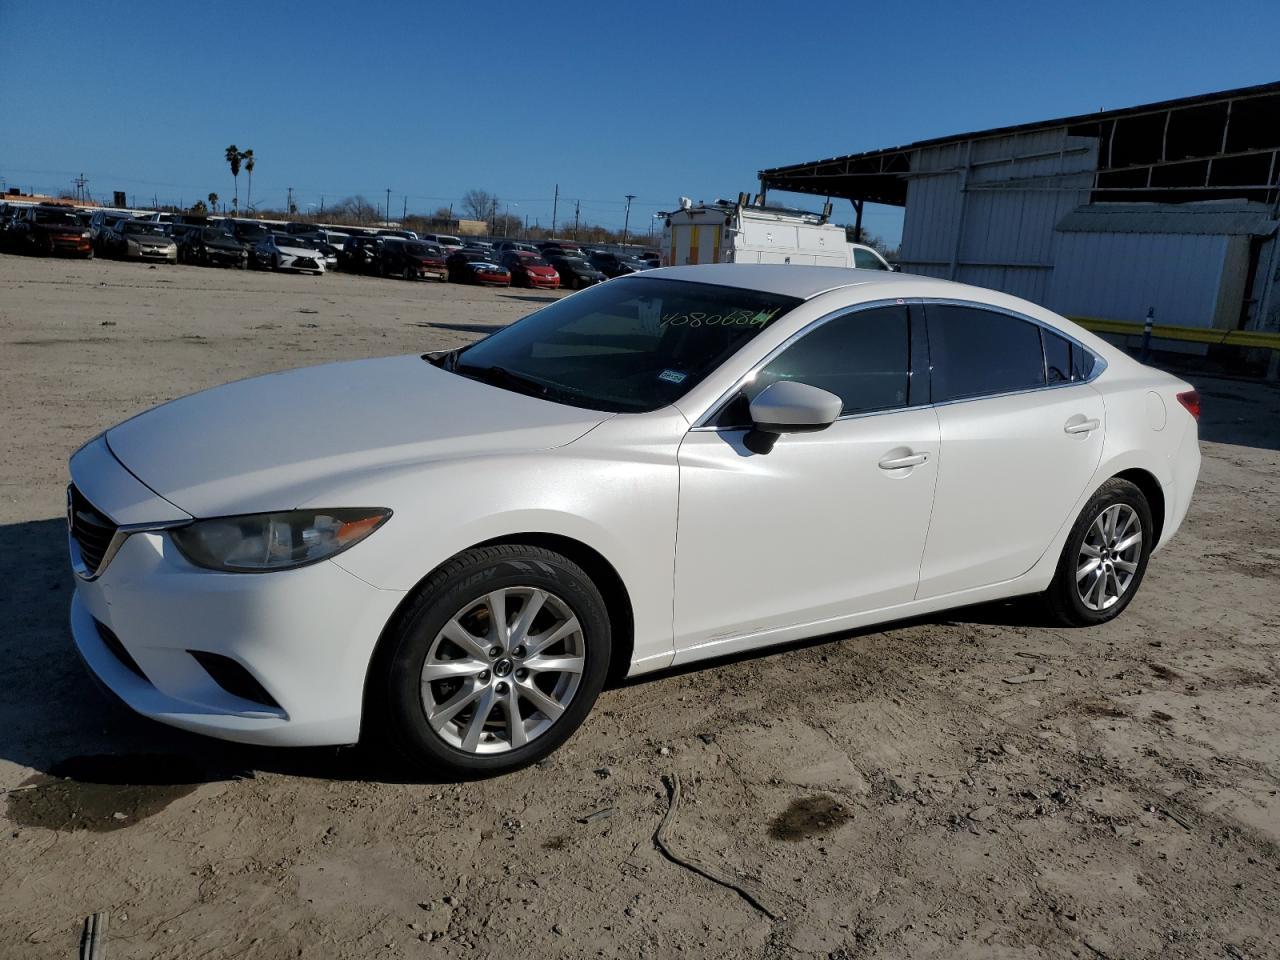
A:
(502, 377)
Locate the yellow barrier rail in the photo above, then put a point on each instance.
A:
(1267, 340)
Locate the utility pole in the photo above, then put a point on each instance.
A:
(388, 205)
(577, 209)
(405, 212)
(627, 222)
(288, 203)
(80, 182)
(554, 205)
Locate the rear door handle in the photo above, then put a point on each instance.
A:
(898, 463)
(1076, 425)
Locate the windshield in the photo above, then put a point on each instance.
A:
(250, 230)
(529, 260)
(627, 346)
(56, 217)
(214, 234)
(147, 226)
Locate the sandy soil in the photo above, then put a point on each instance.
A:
(888, 794)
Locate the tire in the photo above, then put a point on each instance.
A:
(1080, 597)
(459, 597)
(408, 274)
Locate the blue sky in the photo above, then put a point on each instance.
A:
(651, 98)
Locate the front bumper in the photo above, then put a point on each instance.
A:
(162, 255)
(305, 636)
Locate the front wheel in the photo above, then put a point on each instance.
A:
(495, 662)
(1105, 557)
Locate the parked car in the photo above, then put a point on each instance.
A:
(334, 238)
(360, 254)
(141, 240)
(279, 251)
(561, 248)
(212, 247)
(47, 231)
(446, 240)
(506, 246)
(248, 232)
(347, 547)
(327, 251)
(615, 264)
(402, 234)
(412, 260)
(530, 270)
(575, 272)
(100, 224)
(653, 258)
(466, 267)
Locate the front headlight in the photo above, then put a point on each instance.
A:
(261, 542)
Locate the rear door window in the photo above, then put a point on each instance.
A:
(979, 352)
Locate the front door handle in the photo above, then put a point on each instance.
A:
(899, 463)
(1078, 425)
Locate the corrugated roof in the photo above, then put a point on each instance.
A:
(1230, 218)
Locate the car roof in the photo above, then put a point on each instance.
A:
(804, 282)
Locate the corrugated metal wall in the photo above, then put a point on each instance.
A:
(965, 206)
(1117, 276)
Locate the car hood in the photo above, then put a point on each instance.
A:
(289, 251)
(273, 442)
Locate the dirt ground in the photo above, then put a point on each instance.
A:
(890, 793)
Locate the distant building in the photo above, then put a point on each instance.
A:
(1171, 206)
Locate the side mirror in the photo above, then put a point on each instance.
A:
(787, 406)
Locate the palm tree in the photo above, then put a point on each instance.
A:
(233, 156)
(247, 157)
(213, 202)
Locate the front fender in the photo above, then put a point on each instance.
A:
(620, 502)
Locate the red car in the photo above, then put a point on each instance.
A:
(51, 230)
(467, 266)
(530, 270)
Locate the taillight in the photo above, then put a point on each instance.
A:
(1191, 400)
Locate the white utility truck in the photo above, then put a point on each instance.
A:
(727, 232)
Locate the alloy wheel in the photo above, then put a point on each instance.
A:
(1109, 557)
(502, 670)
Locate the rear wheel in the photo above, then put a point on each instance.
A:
(494, 664)
(1105, 557)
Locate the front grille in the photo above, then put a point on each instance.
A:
(305, 263)
(91, 530)
(112, 643)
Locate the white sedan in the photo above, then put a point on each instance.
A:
(277, 251)
(453, 552)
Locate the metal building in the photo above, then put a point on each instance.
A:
(1170, 206)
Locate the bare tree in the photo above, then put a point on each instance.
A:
(479, 204)
(356, 208)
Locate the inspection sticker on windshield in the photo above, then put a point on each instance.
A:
(672, 376)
